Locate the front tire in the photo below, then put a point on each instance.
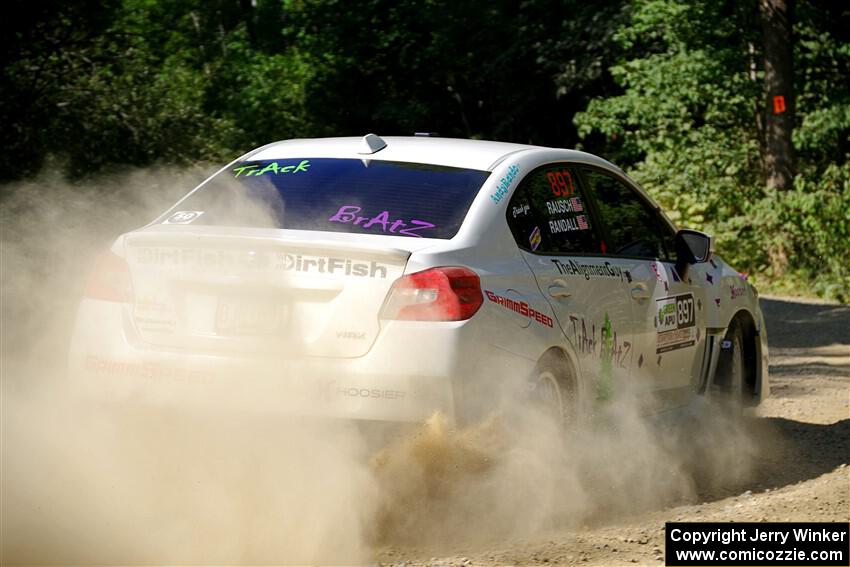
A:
(728, 387)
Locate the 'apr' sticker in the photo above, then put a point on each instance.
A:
(183, 217)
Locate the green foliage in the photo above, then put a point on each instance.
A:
(260, 96)
(807, 231)
(684, 121)
(136, 81)
(822, 58)
(670, 90)
(686, 126)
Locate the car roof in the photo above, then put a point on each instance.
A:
(450, 152)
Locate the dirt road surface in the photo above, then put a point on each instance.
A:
(801, 471)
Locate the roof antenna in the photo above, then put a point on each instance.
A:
(371, 144)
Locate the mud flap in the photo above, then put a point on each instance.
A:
(714, 343)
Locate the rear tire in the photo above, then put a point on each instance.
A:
(553, 390)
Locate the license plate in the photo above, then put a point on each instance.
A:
(234, 317)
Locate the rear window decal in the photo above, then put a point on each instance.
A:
(183, 217)
(349, 214)
(301, 193)
(273, 167)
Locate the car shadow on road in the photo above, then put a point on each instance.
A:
(792, 324)
(784, 452)
(768, 453)
(802, 451)
(810, 349)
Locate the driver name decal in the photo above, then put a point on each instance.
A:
(676, 323)
(568, 225)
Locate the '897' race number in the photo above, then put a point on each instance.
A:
(676, 323)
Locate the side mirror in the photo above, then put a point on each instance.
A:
(692, 247)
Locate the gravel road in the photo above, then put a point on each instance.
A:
(120, 487)
(799, 471)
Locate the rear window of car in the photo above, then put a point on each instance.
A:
(359, 196)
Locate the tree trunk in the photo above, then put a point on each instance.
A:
(779, 88)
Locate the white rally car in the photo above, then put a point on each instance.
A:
(385, 279)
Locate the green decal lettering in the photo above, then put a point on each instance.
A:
(239, 170)
(270, 167)
(302, 166)
(605, 387)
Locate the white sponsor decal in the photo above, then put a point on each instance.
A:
(183, 217)
(676, 322)
(260, 260)
(605, 270)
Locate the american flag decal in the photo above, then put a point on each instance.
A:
(582, 222)
(576, 203)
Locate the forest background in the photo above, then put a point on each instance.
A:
(734, 115)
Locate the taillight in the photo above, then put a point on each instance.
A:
(110, 279)
(438, 294)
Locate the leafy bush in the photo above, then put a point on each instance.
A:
(685, 126)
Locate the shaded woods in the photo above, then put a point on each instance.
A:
(734, 115)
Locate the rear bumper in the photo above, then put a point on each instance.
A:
(405, 377)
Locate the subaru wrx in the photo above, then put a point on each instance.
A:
(387, 278)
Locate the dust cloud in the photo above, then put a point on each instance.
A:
(87, 483)
(517, 475)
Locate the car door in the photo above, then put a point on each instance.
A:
(668, 323)
(552, 225)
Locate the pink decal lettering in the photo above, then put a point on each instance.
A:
(349, 214)
(420, 225)
(381, 219)
(346, 213)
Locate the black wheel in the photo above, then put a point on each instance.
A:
(553, 390)
(728, 388)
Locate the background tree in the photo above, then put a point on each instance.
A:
(675, 92)
(689, 122)
(776, 21)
